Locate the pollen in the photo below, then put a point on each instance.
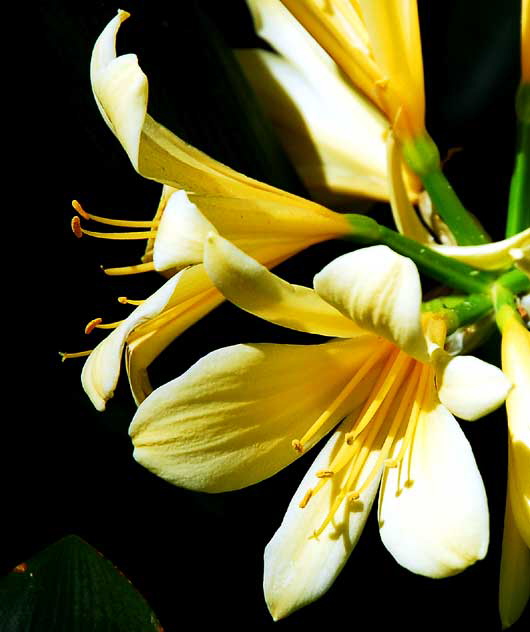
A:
(92, 325)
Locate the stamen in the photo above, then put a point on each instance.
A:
(75, 225)
(128, 301)
(297, 445)
(112, 222)
(92, 325)
(341, 397)
(79, 354)
(134, 269)
(306, 498)
(325, 474)
(79, 232)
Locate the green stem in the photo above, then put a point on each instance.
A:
(460, 310)
(519, 201)
(423, 158)
(444, 269)
(515, 281)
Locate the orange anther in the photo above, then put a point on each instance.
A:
(79, 209)
(122, 300)
(76, 226)
(20, 568)
(297, 445)
(93, 324)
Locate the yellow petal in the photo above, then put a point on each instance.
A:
(300, 568)
(180, 234)
(407, 221)
(525, 41)
(516, 365)
(394, 32)
(493, 256)
(514, 589)
(380, 291)
(230, 420)
(433, 512)
(252, 287)
(470, 388)
(169, 304)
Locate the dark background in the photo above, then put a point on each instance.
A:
(196, 558)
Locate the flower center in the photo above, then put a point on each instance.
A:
(380, 433)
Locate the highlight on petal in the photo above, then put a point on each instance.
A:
(470, 388)
(515, 363)
(180, 234)
(300, 568)
(252, 287)
(514, 588)
(169, 304)
(433, 513)
(380, 291)
(230, 420)
(407, 221)
(493, 256)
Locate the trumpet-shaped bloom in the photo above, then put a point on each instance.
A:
(378, 47)
(268, 223)
(515, 562)
(242, 413)
(334, 136)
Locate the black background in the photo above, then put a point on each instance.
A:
(68, 469)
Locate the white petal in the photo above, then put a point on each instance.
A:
(120, 89)
(494, 256)
(230, 420)
(380, 291)
(252, 287)
(433, 512)
(102, 368)
(181, 234)
(298, 567)
(469, 387)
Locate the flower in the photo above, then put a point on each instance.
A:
(234, 418)
(199, 195)
(378, 46)
(525, 41)
(515, 562)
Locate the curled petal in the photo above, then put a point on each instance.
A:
(433, 513)
(494, 256)
(470, 388)
(230, 420)
(252, 287)
(179, 303)
(300, 568)
(381, 292)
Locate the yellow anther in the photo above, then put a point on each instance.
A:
(306, 498)
(297, 445)
(79, 354)
(79, 209)
(325, 473)
(75, 224)
(92, 325)
(128, 301)
(349, 438)
(382, 84)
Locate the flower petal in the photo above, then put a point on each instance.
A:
(514, 588)
(470, 388)
(229, 421)
(180, 234)
(380, 291)
(179, 303)
(433, 513)
(252, 287)
(494, 256)
(516, 364)
(300, 568)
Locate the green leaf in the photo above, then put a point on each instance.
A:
(71, 587)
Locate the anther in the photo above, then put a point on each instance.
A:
(305, 499)
(75, 224)
(79, 209)
(92, 325)
(297, 445)
(128, 301)
(325, 474)
(349, 437)
(382, 84)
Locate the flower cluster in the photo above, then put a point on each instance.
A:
(344, 85)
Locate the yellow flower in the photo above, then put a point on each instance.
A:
(378, 46)
(242, 413)
(200, 195)
(515, 562)
(525, 41)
